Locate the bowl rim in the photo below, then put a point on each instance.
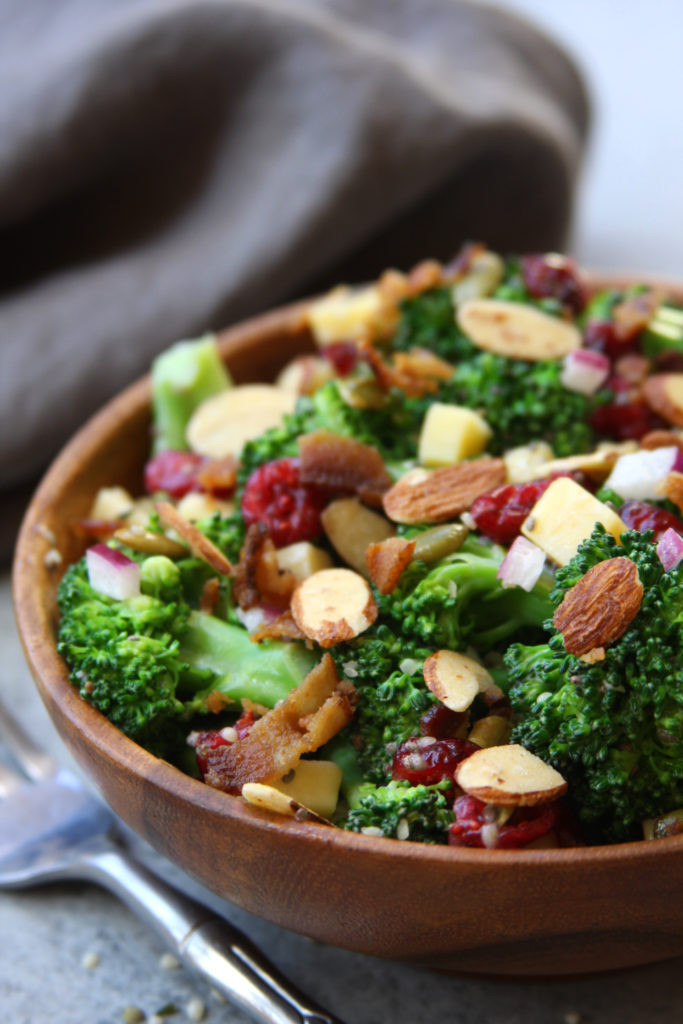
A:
(52, 679)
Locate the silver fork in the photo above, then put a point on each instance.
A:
(52, 828)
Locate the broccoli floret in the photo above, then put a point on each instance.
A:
(401, 811)
(149, 663)
(459, 600)
(613, 728)
(182, 377)
(428, 321)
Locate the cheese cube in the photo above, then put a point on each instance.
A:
(303, 559)
(344, 314)
(564, 516)
(451, 433)
(315, 784)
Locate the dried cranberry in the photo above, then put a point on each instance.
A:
(627, 417)
(642, 516)
(244, 723)
(499, 514)
(207, 739)
(275, 495)
(524, 825)
(173, 472)
(601, 336)
(440, 722)
(549, 276)
(343, 355)
(424, 761)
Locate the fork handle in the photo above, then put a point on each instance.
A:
(207, 944)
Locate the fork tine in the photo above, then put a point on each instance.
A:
(35, 762)
(9, 780)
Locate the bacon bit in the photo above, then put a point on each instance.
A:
(424, 276)
(387, 561)
(218, 476)
(98, 529)
(258, 577)
(388, 376)
(634, 313)
(211, 591)
(461, 264)
(343, 464)
(200, 546)
(250, 708)
(661, 439)
(282, 628)
(633, 368)
(673, 489)
(278, 740)
(217, 702)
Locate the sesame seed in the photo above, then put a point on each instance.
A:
(372, 830)
(409, 666)
(489, 836)
(132, 1015)
(195, 1009)
(403, 829)
(168, 962)
(452, 589)
(46, 533)
(350, 669)
(52, 559)
(230, 734)
(90, 960)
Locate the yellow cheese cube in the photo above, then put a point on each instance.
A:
(315, 784)
(344, 314)
(303, 559)
(451, 433)
(564, 516)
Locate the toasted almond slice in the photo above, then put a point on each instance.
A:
(305, 374)
(517, 331)
(455, 679)
(197, 505)
(200, 546)
(443, 494)
(387, 561)
(663, 392)
(149, 543)
(662, 439)
(600, 607)
(271, 799)
(509, 776)
(333, 605)
(596, 464)
(490, 731)
(223, 424)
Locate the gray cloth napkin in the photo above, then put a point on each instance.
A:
(168, 166)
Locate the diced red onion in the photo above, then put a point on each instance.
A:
(585, 371)
(111, 573)
(259, 615)
(638, 474)
(670, 549)
(522, 566)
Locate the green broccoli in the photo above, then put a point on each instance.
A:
(428, 321)
(459, 600)
(401, 811)
(613, 728)
(183, 376)
(149, 662)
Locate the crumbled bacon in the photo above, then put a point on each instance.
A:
(424, 276)
(343, 464)
(634, 313)
(211, 592)
(218, 476)
(282, 628)
(258, 577)
(309, 716)
(388, 376)
(387, 561)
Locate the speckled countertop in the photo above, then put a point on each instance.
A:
(637, 77)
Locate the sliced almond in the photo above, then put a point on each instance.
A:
(387, 562)
(661, 439)
(197, 505)
(663, 392)
(305, 374)
(517, 331)
(200, 546)
(600, 607)
(443, 494)
(271, 799)
(223, 424)
(147, 542)
(509, 776)
(333, 605)
(455, 679)
(490, 731)
(596, 464)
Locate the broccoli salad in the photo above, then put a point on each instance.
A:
(428, 585)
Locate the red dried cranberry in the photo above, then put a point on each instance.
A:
(424, 763)
(275, 495)
(601, 336)
(524, 825)
(642, 516)
(499, 514)
(627, 417)
(173, 472)
(549, 276)
(440, 722)
(343, 355)
(207, 739)
(243, 724)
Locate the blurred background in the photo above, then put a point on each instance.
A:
(79, 317)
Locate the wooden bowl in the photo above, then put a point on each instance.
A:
(493, 912)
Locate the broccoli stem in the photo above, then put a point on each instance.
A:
(264, 673)
(182, 378)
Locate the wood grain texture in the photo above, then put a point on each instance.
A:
(491, 912)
